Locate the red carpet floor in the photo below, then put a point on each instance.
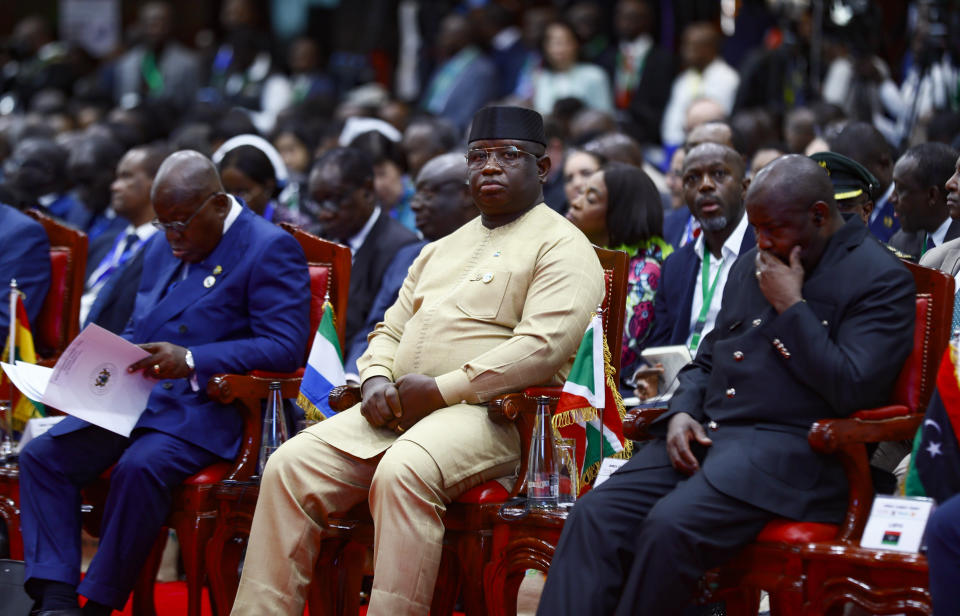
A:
(171, 600)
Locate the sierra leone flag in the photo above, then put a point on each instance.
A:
(588, 389)
(324, 369)
(935, 463)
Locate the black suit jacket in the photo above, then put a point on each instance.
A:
(765, 378)
(370, 262)
(674, 298)
(114, 304)
(910, 244)
(652, 94)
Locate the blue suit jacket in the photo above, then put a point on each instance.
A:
(26, 257)
(674, 298)
(255, 316)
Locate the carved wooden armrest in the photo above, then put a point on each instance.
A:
(343, 397)
(226, 388)
(888, 423)
(637, 421)
(847, 438)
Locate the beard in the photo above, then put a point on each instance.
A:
(713, 223)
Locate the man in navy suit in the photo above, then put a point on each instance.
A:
(713, 186)
(341, 191)
(814, 324)
(222, 291)
(115, 264)
(26, 257)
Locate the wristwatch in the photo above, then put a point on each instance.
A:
(188, 359)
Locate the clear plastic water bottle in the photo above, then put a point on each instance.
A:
(543, 473)
(274, 426)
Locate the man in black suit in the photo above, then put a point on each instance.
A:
(920, 199)
(341, 187)
(814, 323)
(115, 264)
(713, 187)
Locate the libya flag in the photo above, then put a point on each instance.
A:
(590, 389)
(935, 463)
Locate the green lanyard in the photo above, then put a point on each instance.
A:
(151, 73)
(707, 294)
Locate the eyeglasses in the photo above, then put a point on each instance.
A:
(179, 226)
(506, 156)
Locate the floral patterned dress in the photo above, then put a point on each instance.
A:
(643, 279)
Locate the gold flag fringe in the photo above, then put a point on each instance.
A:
(589, 413)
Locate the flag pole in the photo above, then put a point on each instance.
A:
(603, 387)
(6, 446)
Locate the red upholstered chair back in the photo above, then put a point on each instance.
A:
(917, 378)
(59, 320)
(614, 263)
(329, 264)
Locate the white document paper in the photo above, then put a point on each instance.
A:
(90, 381)
(896, 524)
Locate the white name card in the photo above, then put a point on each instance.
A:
(36, 427)
(607, 467)
(897, 524)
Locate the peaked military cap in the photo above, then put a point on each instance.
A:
(850, 178)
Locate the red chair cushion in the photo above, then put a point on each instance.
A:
(489, 492)
(789, 531)
(910, 382)
(211, 474)
(50, 327)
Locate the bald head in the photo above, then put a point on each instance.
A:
(442, 202)
(790, 205)
(184, 176)
(189, 201)
(445, 167)
(799, 179)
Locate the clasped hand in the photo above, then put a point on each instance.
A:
(780, 283)
(398, 406)
(166, 361)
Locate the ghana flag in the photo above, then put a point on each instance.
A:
(23, 408)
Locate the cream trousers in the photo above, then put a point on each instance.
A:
(307, 480)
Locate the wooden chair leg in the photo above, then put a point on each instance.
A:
(449, 583)
(194, 532)
(143, 592)
(473, 552)
(224, 555)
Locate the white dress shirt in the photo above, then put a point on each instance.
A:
(728, 254)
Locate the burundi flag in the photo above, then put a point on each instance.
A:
(935, 463)
(24, 409)
(590, 387)
(324, 369)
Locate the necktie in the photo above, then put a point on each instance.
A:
(956, 313)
